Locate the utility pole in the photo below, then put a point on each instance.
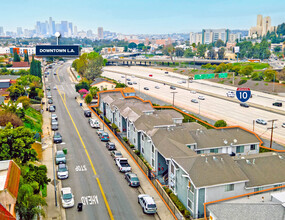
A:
(173, 93)
(272, 127)
(253, 121)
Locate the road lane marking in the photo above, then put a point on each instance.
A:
(57, 73)
(90, 161)
(90, 200)
(80, 168)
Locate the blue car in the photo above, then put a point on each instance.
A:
(104, 136)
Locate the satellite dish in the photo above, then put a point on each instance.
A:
(235, 140)
(225, 141)
(57, 34)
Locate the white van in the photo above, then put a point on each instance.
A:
(94, 123)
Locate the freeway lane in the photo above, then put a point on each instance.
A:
(211, 107)
(121, 198)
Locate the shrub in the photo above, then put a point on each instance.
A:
(168, 191)
(220, 123)
(256, 84)
(107, 120)
(243, 81)
(177, 202)
(137, 152)
(132, 146)
(25, 101)
(88, 98)
(33, 101)
(263, 150)
(6, 117)
(125, 139)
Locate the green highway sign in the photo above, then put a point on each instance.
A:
(205, 76)
(223, 75)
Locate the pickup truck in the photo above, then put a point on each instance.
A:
(123, 165)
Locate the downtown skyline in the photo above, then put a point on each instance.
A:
(152, 17)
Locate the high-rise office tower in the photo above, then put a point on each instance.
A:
(1, 31)
(70, 29)
(100, 33)
(89, 33)
(19, 31)
(75, 31)
(64, 28)
(51, 26)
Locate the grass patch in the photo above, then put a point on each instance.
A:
(255, 66)
(33, 120)
(44, 191)
(256, 84)
(222, 81)
(266, 84)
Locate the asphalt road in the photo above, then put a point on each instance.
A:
(211, 107)
(121, 198)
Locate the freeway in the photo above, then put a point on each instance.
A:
(86, 182)
(211, 107)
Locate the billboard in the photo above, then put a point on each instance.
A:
(57, 50)
(236, 49)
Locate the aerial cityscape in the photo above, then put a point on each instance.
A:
(130, 110)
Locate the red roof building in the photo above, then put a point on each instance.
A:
(21, 64)
(9, 186)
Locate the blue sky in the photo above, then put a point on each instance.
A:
(142, 16)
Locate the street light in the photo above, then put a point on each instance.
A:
(57, 35)
(173, 93)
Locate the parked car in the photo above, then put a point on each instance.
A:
(99, 131)
(52, 108)
(49, 96)
(48, 88)
(231, 94)
(104, 136)
(54, 116)
(194, 100)
(54, 88)
(110, 146)
(172, 87)
(283, 125)
(67, 198)
(62, 171)
(50, 101)
(60, 157)
(157, 87)
(201, 97)
(146, 88)
(123, 164)
(54, 73)
(244, 104)
(87, 113)
(54, 122)
(93, 123)
(278, 104)
(57, 138)
(132, 179)
(54, 127)
(147, 203)
(261, 121)
(116, 154)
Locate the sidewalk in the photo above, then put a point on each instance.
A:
(52, 212)
(146, 188)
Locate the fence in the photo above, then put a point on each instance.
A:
(147, 171)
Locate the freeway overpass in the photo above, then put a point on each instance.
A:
(168, 62)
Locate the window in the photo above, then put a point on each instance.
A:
(240, 149)
(142, 150)
(230, 187)
(142, 137)
(152, 162)
(134, 140)
(152, 148)
(190, 204)
(252, 147)
(191, 187)
(200, 151)
(277, 186)
(216, 150)
(258, 189)
(172, 168)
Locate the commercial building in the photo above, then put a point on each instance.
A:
(263, 26)
(212, 35)
(100, 33)
(112, 50)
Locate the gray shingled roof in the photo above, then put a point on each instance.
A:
(248, 211)
(209, 170)
(9, 76)
(98, 80)
(263, 169)
(158, 118)
(215, 137)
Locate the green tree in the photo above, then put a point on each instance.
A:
(26, 57)
(16, 144)
(94, 90)
(16, 91)
(201, 50)
(94, 67)
(219, 43)
(25, 101)
(270, 75)
(16, 57)
(179, 52)
(140, 46)
(120, 85)
(212, 53)
(189, 53)
(247, 70)
(29, 205)
(220, 123)
(88, 98)
(277, 49)
(221, 53)
(132, 45)
(82, 85)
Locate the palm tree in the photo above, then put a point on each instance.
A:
(93, 91)
(29, 204)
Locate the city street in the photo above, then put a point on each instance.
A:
(83, 179)
(211, 107)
